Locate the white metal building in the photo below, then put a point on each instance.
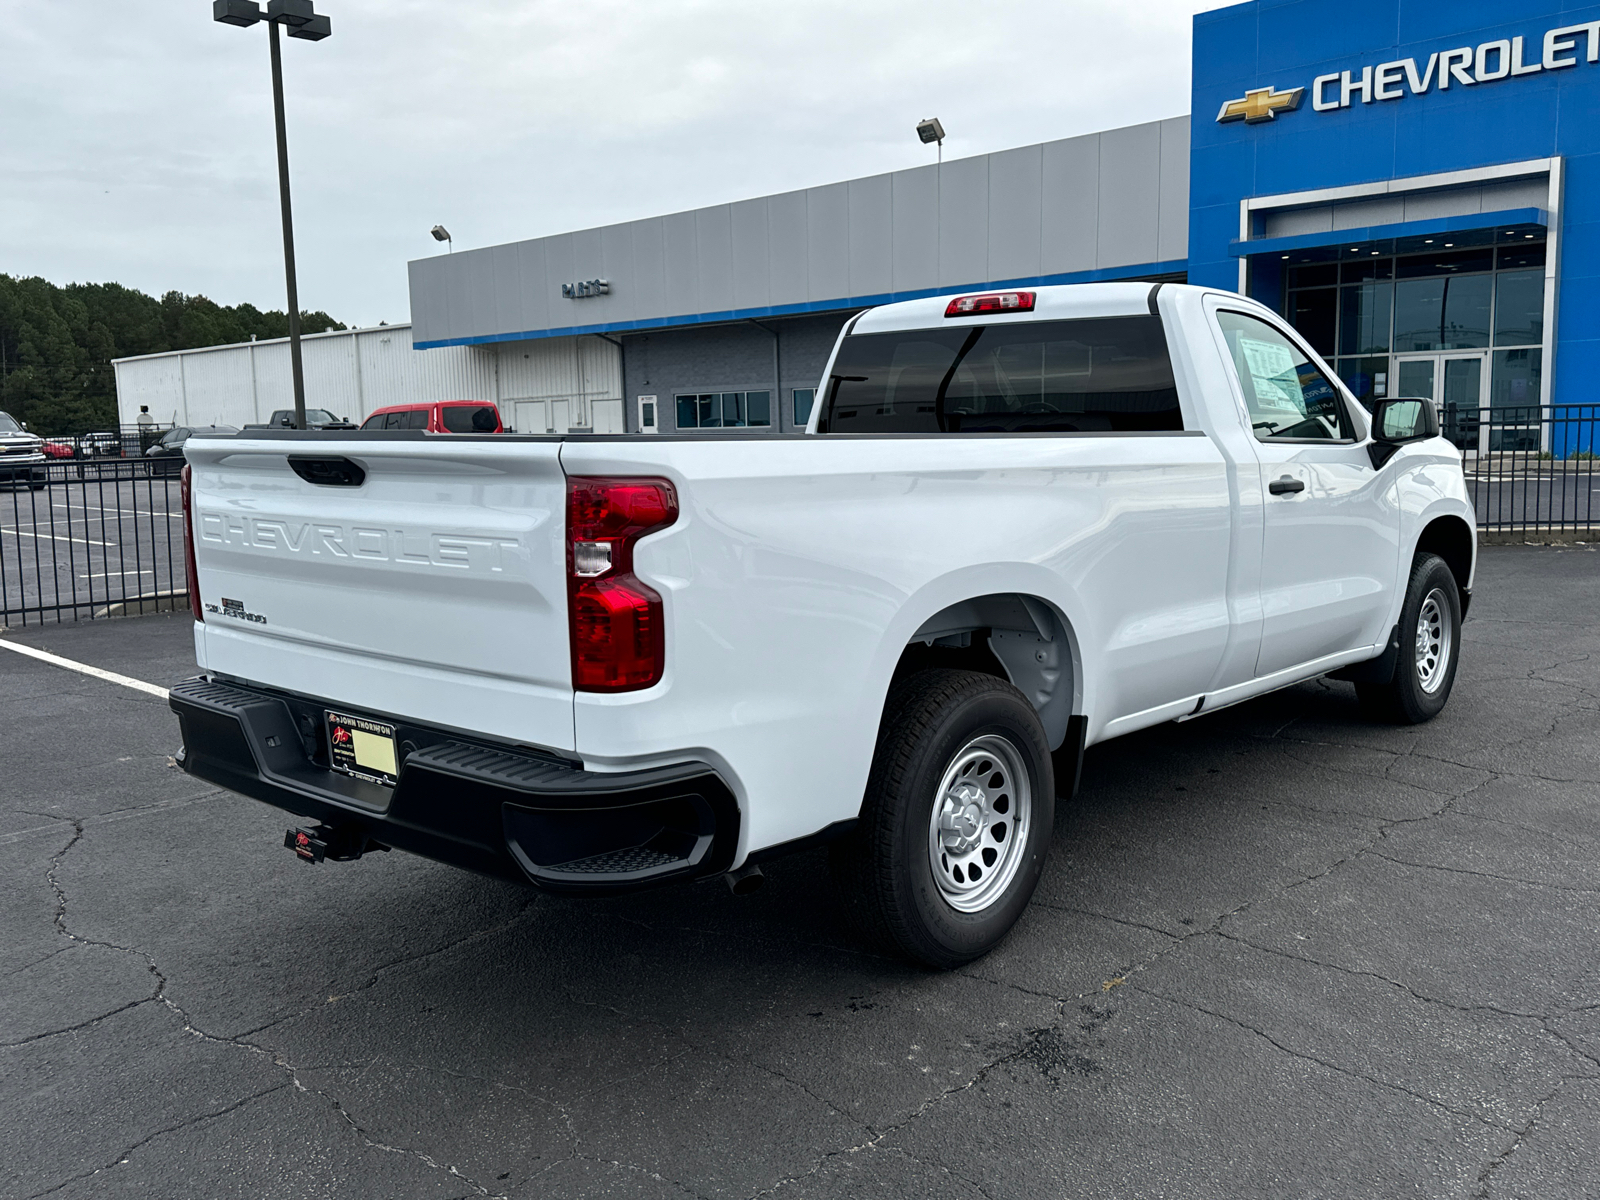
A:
(546, 386)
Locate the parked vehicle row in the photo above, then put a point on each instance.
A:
(24, 456)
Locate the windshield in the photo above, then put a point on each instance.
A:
(7, 425)
(320, 416)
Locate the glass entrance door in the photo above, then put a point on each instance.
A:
(1457, 383)
(1416, 377)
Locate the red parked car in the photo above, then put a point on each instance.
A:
(444, 416)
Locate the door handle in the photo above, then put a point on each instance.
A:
(1286, 484)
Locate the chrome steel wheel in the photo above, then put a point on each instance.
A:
(982, 815)
(1433, 641)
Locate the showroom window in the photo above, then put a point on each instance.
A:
(724, 410)
(1358, 313)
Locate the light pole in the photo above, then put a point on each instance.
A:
(299, 18)
(441, 234)
(932, 130)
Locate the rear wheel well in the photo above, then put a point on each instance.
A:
(1452, 540)
(1018, 638)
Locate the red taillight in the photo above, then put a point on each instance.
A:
(618, 642)
(193, 575)
(990, 302)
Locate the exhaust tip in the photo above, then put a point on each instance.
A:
(745, 881)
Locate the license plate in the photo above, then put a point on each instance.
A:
(363, 748)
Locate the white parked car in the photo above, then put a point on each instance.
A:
(1021, 523)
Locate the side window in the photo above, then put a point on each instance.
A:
(1095, 375)
(417, 418)
(375, 422)
(1286, 394)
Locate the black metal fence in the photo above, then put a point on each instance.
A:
(101, 534)
(1531, 470)
(91, 538)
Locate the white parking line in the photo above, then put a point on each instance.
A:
(56, 660)
(121, 512)
(57, 537)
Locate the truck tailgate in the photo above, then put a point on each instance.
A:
(434, 591)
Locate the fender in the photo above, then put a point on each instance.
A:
(1423, 496)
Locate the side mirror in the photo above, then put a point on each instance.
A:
(1398, 421)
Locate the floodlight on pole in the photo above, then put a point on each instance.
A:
(931, 130)
(302, 21)
(441, 234)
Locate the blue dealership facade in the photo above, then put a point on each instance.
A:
(1424, 202)
(1414, 185)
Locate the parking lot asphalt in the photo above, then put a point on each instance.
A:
(1277, 952)
(89, 545)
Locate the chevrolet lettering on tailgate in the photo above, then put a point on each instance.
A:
(451, 551)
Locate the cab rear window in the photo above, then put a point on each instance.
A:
(469, 418)
(1096, 375)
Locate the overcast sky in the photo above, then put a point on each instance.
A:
(136, 135)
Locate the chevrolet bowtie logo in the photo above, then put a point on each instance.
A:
(1260, 104)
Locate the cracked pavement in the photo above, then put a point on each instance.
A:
(1278, 951)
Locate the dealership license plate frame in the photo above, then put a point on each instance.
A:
(368, 752)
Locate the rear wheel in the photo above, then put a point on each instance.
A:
(956, 821)
(1430, 647)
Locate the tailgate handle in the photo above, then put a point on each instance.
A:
(329, 472)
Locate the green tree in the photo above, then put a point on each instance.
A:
(57, 343)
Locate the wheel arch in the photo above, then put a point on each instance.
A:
(1018, 636)
(1453, 540)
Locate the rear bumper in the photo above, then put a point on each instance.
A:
(513, 814)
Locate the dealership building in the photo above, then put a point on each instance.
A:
(1416, 187)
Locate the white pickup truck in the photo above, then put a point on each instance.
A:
(1020, 523)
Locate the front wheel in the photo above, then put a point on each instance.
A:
(1430, 648)
(956, 821)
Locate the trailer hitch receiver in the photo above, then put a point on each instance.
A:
(343, 843)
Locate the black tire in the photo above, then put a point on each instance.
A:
(1419, 689)
(934, 722)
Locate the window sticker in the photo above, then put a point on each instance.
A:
(1273, 369)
